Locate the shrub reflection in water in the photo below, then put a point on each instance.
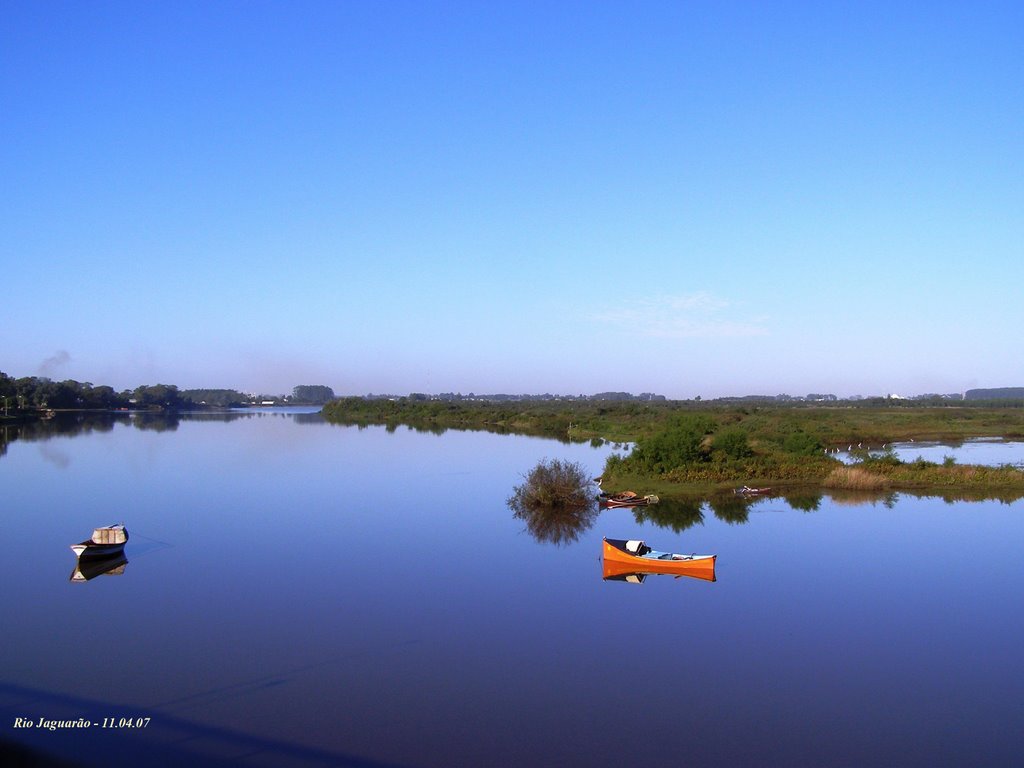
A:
(555, 501)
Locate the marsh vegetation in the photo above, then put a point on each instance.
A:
(694, 447)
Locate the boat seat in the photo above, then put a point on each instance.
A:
(636, 547)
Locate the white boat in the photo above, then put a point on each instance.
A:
(105, 542)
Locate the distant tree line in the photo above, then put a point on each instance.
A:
(997, 398)
(34, 393)
(215, 398)
(998, 393)
(458, 397)
(40, 393)
(310, 394)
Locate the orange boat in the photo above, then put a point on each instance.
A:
(622, 558)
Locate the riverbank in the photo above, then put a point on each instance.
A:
(836, 425)
(957, 482)
(688, 448)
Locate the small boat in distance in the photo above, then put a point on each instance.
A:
(105, 541)
(746, 490)
(623, 557)
(626, 499)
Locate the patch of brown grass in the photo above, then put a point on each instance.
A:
(855, 479)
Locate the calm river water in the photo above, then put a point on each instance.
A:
(304, 594)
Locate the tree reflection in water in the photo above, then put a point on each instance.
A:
(555, 501)
(677, 514)
(731, 509)
(805, 501)
(863, 498)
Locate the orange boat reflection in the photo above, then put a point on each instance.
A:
(620, 562)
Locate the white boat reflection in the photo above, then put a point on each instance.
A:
(87, 568)
(629, 578)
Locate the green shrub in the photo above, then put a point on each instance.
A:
(556, 501)
(802, 444)
(733, 443)
(553, 484)
(678, 445)
(613, 463)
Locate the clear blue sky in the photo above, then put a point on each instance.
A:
(689, 198)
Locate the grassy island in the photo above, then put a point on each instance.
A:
(687, 448)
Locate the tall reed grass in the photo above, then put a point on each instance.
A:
(855, 479)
